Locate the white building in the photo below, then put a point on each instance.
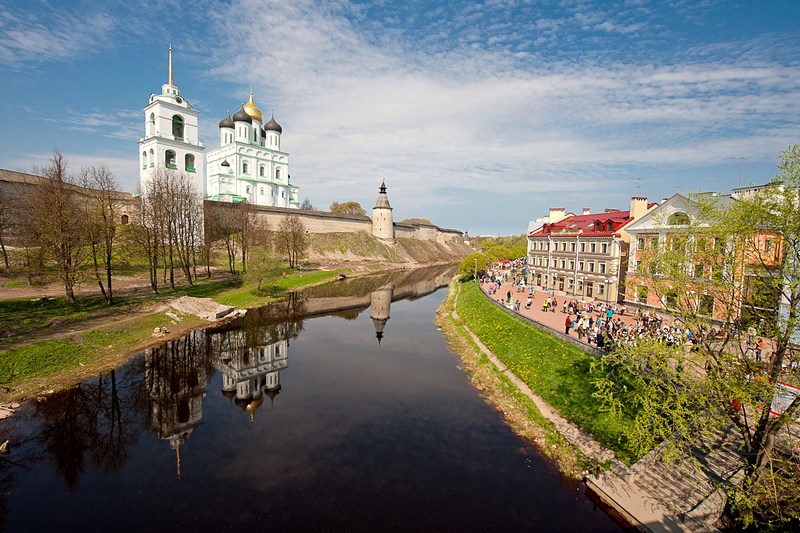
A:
(171, 136)
(248, 165)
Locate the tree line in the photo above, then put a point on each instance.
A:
(71, 225)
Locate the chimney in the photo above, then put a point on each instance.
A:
(586, 211)
(556, 214)
(638, 207)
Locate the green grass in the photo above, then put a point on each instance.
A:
(18, 284)
(40, 359)
(560, 373)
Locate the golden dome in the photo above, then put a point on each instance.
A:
(252, 109)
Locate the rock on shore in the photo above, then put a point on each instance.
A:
(205, 308)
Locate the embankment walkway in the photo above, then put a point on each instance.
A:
(651, 495)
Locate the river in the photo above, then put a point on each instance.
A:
(339, 410)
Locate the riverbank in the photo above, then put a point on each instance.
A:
(59, 351)
(526, 413)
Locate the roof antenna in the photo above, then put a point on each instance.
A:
(638, 184)
(741, 165)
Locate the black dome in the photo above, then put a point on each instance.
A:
(272, 125)
(242, 116)
(226, 122)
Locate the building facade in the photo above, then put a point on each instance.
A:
(171, 136)
(248, 165)
(583, 255)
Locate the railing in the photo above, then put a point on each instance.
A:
(172, 138)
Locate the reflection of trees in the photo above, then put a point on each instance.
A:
(97, 418)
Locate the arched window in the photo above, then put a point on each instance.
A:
(244, 168)
(678, 218)
(277, 174)
(152, 157)
(248, 190)
(283, 194)
(144, 159)
(261, 192)
(151, 125)
(177, 127)
(189, 163)
(169, 159)
(125, 219)
(261, 171)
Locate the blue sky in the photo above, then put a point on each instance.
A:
(479, 115)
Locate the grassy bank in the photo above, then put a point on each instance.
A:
(518, 410)
(95, 338)
(562, 374)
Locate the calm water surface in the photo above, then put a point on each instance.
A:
(353, 416)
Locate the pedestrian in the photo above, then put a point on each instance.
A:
(567, 325)
(759, 349)
(555, 304)
(528, 302)
(564, 307)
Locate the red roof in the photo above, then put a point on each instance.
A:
(592, 225)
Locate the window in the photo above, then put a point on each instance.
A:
(706, 306)
(678, 218)
(564, 246)
(144, 159)
(571, 283)
(189, 163)
(572, 265)
(177, 127)
(244, 168)
(602, 268)
(125, 219)
(580, 265)
(261, 191)
(601, 289)
(283, 194)
(261, 172)
(640, 242)
(583, 247)
(151, 124)
(767, 245)
(572, 247)
(593, 247)
(604, 248)
(248, 190)
(591, 266)
(699, 270)
(563, 264)
(169, 159)
(277, 174)
(152, 157)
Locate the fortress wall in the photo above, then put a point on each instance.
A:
(324, 222)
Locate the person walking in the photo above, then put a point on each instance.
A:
(567, 325)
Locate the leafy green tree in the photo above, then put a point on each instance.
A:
(347, 208)
(498, 252)
(469, 264)
(264, 267)
(733, 267)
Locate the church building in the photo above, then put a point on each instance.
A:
(249, 164)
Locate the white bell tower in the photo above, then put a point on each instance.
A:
(171, 137)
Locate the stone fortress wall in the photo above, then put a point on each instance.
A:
(325, 222)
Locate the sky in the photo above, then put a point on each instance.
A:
(480, 116)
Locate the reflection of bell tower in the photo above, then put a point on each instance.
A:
(380, 302)
(175, 374)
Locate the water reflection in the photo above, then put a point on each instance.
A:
(363, 434)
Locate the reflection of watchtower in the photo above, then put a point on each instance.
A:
(175, 375)
(249, 372)
(380, 302)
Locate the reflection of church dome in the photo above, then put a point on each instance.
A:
(272, 392)
(250, 405)
(252, 109)
(229, 394)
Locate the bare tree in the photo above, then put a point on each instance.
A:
(55, 217)
(100, 211)
(7, 219)
(291, 238)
